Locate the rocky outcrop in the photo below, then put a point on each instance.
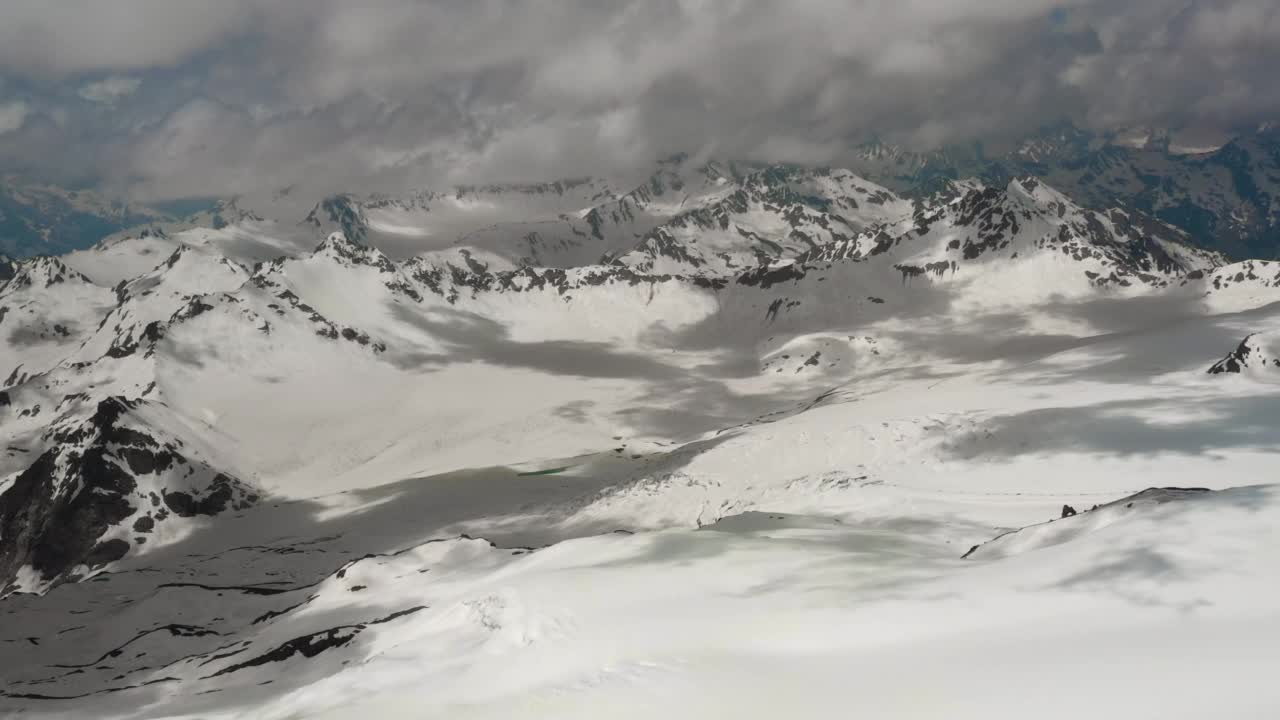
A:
(1256, 352)
(104, 484)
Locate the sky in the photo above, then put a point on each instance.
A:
(163, 99)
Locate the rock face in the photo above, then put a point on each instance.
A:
(105, 484)
(1257, 353)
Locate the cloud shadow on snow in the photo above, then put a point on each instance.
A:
(1128, 428)
(673, 401)
(472, 337)
(1138, 573)
(280, 546)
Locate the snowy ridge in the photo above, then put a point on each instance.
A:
(153, 297)
(46, 309)
(43, 272)
(559, 224)
(1075, 524)
(774, 214)
(1257, 353)
(1025, 219)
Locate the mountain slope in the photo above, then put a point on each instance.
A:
(1255, 354)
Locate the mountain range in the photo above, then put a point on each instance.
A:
(749, 433)
(1223, 195)
(43, 219)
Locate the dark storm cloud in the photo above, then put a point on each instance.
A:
(265, 93)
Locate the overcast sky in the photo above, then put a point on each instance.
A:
(173, 98)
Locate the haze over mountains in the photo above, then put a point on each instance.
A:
(1224, 195)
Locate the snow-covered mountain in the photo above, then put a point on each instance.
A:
(559, 224)
(1223, 194)
(48, 309)
(771, 215)
(107, 482)
(743, 436)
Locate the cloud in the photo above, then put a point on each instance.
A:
(13, 115)
(43, 38)
(110, 89)
(248, 95)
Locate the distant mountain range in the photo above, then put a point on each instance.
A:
(1226, 198)
(39, 219)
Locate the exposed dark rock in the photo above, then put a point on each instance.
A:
(1247, 354)
(307, 646)
(221, 492)
(52, 532)
(106, 553)
(55, 512)
(174, 630)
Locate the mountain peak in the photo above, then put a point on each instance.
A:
(1258, 352)
(1037, 192)
(101, 472)
(339, 247)
(44, 271)
(342, 212)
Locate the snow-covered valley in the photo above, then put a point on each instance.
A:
(778, 444)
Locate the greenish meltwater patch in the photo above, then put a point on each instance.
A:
(548, 471)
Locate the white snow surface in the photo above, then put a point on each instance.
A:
(829, 485)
